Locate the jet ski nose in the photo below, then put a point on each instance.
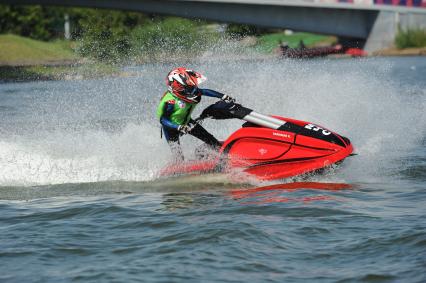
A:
(346, 140)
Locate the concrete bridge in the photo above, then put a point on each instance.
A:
(374, 25)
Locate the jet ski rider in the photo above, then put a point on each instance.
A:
(177, 104)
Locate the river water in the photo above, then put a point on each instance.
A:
(80, 199)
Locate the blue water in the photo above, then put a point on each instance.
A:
(80, 199)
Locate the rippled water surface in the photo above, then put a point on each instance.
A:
(80, 200)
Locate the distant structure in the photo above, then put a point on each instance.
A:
(372, 24)
(406, 3)
(67, 33)
(397, 14)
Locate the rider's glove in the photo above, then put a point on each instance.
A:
(228, 99)
(184, 129)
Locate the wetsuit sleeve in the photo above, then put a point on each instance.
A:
(211, 93)
(165, 118)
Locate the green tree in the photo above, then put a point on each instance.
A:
(241, 30)
(105, 34)
(175, 35)
(42, 23)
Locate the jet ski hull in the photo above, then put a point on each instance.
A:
(275, 154)
(268, 154)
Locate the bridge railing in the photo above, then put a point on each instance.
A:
(406, 3)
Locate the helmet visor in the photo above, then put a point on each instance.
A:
(191, 91)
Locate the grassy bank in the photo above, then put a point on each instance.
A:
(401, 52)
(23, 59)
(410, 38)
(20, 51)
(267, 43)
(57, 72)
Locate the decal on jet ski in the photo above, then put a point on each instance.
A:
(281, 135)
(316, 129)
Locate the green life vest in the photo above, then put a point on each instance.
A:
(181, 112)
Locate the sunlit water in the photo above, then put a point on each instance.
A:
(80, 200)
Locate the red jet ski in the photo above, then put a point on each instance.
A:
(267, 147)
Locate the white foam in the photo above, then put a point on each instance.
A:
(88, 156)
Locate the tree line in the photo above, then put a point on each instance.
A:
(110, 35)
(47, 23)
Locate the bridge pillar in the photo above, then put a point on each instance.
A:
(385, 28)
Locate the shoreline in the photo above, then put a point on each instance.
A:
(391, 52)
(57, 72)
(82, 69)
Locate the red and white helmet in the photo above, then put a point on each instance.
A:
(183, 83)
